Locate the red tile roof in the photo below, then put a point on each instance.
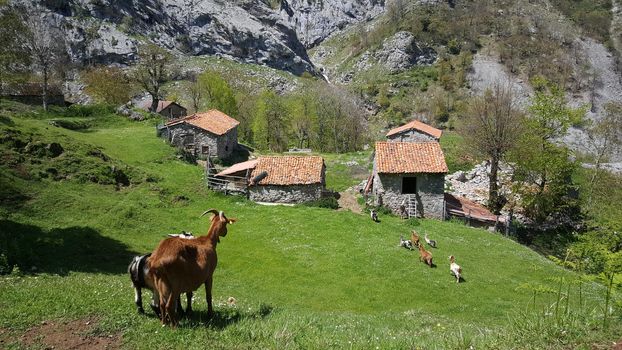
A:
(249, 164)
(290, 170)
(419, 126)
(409, 158)
(213, 121)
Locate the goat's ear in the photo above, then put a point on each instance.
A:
(231, 221)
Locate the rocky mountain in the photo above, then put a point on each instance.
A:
(248, 31)
(316, 20)
(109, 31)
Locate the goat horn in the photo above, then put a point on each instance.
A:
(221, 215)
(213, 211)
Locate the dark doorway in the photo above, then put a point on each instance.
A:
(409, 185)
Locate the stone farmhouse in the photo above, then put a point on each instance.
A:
(288, 179)
(409, 178)
(275, 179)
(415, 131)
(209, 134)
(167, 109)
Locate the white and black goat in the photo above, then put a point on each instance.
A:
(430, 242)
(406, 243)
(139, 274)
(374, 215)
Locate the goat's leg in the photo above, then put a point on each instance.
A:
(188, 303)
(208, 296)
(171, 306)
(138, 300)
(155, 302)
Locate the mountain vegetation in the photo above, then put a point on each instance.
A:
(530, 86)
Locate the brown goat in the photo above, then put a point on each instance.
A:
(425, 255)
(415, 238)
(181, 265)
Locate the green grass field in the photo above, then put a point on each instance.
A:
(303, 277)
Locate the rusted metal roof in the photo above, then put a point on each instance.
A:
(462, 206)
(249, 164)
(409, 158)
(290, 170)
(213, 121)
(419, 126)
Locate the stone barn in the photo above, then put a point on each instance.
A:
(415, 131)
(168, 109)
(409, 178)
(209, 134)
(287, 179)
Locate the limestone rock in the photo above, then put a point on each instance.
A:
(401, 52)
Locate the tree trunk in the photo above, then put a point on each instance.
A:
(493, 188)
(154, 104)
(44, 90)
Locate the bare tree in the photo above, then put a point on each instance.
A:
(492, 127)
(196, 93)
(45, 50)
(605, 137)
(153, 71)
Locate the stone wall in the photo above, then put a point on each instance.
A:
(430, 193)
(183, 135)
(173, 111)
(411, 136)
(285, 194)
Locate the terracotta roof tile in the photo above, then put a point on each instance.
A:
(417, 125)
(213, 121)
(290, 170)
(409, 158)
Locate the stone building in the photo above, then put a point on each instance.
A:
(168, 109)
(212, 134)
(415, 131)
(287, 179)
(409, 178)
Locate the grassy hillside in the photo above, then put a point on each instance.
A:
(303, 277)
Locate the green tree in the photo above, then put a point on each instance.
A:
(270, 124)
(542, 164)
(153, 71)
(108, 85)
(217, 92)
(303, 110)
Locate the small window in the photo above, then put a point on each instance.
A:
(204, 149)
(226, 148)
(409, 185)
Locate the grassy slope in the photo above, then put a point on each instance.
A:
(303, 277)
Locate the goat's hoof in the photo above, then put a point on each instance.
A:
(140, 310)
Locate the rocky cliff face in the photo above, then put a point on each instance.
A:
(315, 20)
(109, 31)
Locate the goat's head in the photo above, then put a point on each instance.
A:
(452, 258)
(219, 222)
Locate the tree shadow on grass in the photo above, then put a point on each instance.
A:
(61, 250)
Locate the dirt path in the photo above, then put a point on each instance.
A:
(347, 201)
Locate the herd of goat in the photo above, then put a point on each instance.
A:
(182, 262)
